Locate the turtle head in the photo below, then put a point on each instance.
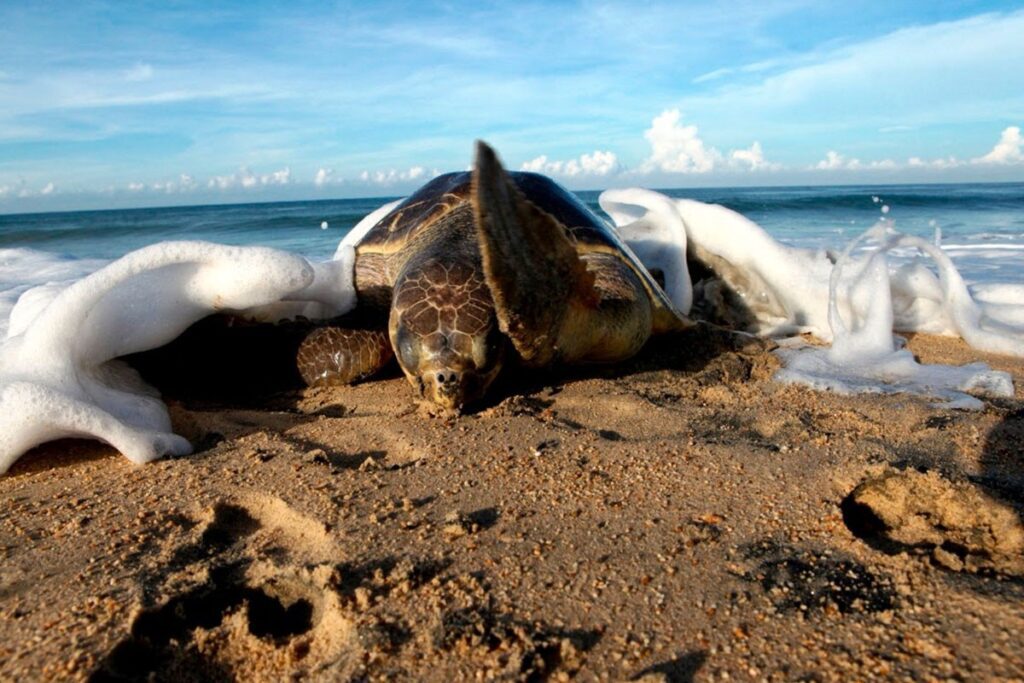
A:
(445, 332)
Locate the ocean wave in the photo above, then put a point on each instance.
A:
(21, 269)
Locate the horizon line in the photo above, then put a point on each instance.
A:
(385, 197)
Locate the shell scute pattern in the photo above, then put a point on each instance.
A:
(419, 213)
(447, 303)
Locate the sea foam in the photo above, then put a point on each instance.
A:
(855, 302)
(59, 375)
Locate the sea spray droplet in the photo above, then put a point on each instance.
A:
(323, 225)
(885, 208)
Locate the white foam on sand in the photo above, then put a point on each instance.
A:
(854, 302)
(58, 373)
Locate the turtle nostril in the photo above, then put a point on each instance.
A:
(447, 378)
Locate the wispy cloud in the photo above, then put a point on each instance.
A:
(953, 72)
(389, 87)
(139, 72)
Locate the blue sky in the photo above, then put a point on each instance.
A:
(106, 104)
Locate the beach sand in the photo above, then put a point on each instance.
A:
(677, 517)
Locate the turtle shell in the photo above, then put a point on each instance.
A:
(445, 193)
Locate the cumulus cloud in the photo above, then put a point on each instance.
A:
(246, 179)
(47, 189)
(323, 176)
(599, 163)
(392, 176)
(832, 161)
(752, 159)
(1007, 151)
(677, 148)
(136, 187)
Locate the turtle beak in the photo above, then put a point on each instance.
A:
(451, 389)
(446, 387)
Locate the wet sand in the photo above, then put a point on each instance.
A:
(678, 517)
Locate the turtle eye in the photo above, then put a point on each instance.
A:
(407, 349)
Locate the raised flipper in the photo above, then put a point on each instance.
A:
(530, 263)
(337, 355)
(555, 299)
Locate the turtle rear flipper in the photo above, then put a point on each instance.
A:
(547, 300)
(338, 355)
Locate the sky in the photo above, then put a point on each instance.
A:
(113, 104)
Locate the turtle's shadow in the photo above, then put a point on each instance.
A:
(689, 353)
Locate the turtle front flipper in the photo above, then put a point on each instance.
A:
(338, 355)
(530, 262)
(553, 303)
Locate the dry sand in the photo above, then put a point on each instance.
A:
(677, 517)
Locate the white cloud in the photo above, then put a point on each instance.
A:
(1007, 151)
(136, 187)
(948, 162)
(323, 176)
(599, 163)
(752, 159)
(22, 191)
(245, 178)
(184, 183)
(392, 176)
(834, 161)
(936, 74)
(676, 148)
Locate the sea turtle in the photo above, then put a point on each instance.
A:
(479, 268)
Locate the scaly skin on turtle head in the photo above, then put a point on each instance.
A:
(445, 333)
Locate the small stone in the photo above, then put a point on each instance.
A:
(364, 598)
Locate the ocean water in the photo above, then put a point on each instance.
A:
(982, 227)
